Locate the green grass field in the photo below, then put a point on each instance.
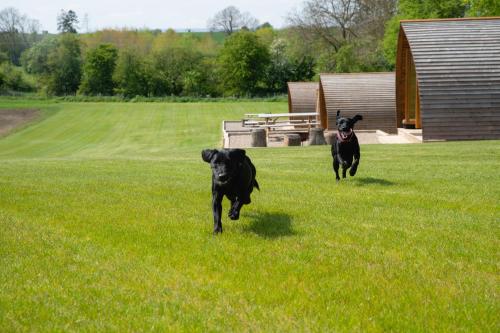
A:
(105, 225)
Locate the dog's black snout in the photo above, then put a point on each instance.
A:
(222, 176)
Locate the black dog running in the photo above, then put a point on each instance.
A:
(345, 146)
(233, 175)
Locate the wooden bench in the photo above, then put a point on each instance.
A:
(273, 125)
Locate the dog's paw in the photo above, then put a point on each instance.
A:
(234, 216)
(352, 172)
(217, 231)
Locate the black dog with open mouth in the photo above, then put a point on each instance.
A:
(345, 146)
(233, 175)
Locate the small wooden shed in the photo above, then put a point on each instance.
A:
(302, 96)
(448, 77)
(370, 94)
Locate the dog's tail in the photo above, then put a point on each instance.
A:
(255, 184)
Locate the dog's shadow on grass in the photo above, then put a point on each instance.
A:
(361, 181)
(270, 225)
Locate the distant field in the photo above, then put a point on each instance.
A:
(105, 224)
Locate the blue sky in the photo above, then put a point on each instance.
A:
(164, 14)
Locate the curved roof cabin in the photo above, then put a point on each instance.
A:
(370, 94)
(448, 77)
(302, 96)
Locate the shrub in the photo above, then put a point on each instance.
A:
(64, 64)
(35, 59)
(98, 71)
(242, 62)
(131, 74)
(13, 78)
(171, 67)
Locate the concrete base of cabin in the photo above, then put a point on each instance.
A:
(413, 135)
(237, 136)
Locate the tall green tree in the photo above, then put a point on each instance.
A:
(285, 67)
(419, 9)
(3, 57)
(170, 65)
(98, 69)
(280, 68)
(64, 66)
(242, 62)
(35, 59)
(483, 7)
(131, 74)
(202, 80)
(302, 68)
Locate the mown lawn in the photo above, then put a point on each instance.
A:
(105, 225)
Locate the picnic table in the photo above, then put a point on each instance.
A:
(282, 122)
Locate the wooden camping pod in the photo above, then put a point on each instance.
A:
(370, 94)
(448, 77)
(302, 96)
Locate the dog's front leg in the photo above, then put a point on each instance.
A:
(354, 166)
(336, 168)
(217, 211)
(335, 155)
(345, 165)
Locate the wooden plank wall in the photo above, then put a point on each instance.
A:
(401, 72)
(302, 96)
(370, 94)
(458, 73)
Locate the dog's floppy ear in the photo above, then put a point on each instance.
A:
(356, 118)
(237, 154)
(207, 154)
(337, 118)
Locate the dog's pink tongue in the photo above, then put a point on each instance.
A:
(345, 134)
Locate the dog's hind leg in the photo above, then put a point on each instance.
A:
(344, 170)
(231, 208)
(234, 212)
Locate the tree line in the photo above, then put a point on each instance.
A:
(239, 57)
